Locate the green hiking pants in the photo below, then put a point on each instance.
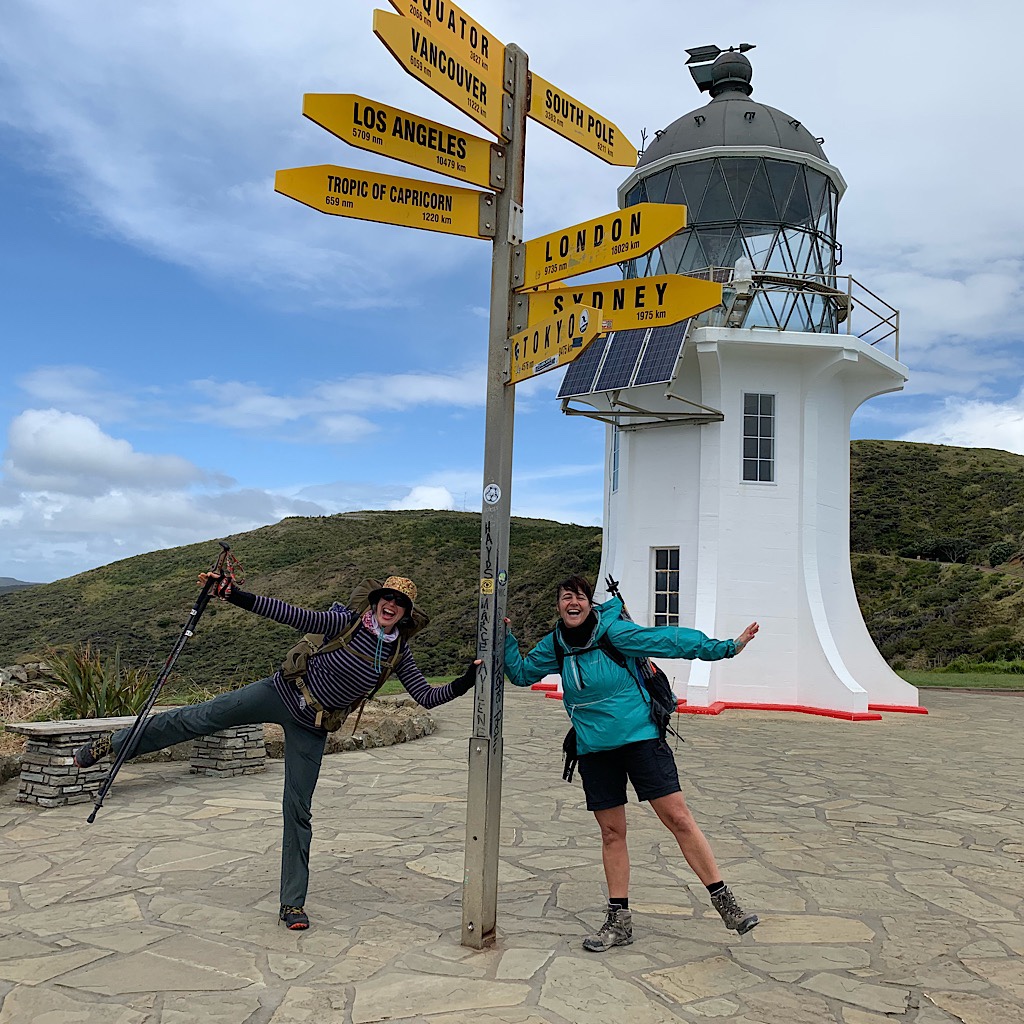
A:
(303, 751)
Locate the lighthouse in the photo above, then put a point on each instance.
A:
(727, 451)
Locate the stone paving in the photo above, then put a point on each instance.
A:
(886, 860)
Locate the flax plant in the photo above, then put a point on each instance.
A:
(98, 687)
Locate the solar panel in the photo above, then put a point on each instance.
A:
(659, 357)
(579, 377)
(623, 359)
(620, 362)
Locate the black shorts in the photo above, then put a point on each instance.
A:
(648, 764)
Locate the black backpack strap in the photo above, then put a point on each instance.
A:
(612, 651)
(559, 650)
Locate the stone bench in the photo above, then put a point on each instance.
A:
(49, 777)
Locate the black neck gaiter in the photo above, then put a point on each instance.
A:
(577, 636)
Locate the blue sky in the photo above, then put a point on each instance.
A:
(188, 354)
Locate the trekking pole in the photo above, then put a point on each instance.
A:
(612, 586)
(137, 727)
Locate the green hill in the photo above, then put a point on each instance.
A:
(933, 501)
(935, 533)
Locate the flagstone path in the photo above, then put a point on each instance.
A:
(886, 860)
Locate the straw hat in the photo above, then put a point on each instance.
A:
(404, 588)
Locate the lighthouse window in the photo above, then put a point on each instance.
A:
(666, 586)
(759, 438)
(615, 458)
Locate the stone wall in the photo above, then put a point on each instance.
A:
(384, 722)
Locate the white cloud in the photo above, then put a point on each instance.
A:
(339, 411)
(80, 389)
(50, 450)
(975, 424)
(426, 497)
(404, 391)
(240, 404)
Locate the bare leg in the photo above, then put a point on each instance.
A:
(678, 819)
(614, 852)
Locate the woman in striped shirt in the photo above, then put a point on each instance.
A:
(333, 680)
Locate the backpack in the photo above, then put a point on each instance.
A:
(649, 678)
(293, 668)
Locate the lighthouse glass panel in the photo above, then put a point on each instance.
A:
(779, 214)
(759, 438)
(666, 587)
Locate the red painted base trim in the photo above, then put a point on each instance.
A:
(907, 709)
(727, 705)
(544, 686)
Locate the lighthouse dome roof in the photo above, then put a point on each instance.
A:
(732, 119)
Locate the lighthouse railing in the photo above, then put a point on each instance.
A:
(833, 303)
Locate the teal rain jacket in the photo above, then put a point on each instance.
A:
(605, 702)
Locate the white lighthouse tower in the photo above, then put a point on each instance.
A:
(727, 487)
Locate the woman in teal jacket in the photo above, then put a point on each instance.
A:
(617, 738)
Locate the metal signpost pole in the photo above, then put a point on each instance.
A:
(483, 812)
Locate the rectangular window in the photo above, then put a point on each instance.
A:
(615, 458)
(666, 587)
(759, 438)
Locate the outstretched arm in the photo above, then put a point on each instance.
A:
(303, 619)
(674, 641)
(540, 662)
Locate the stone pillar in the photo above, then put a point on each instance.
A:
(235, 751)
(49, 777)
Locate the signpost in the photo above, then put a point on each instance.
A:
(601, 242)
(379, 128)
(387, 199)
(634, 302)
(565, 115)
(440, 45)
(483, 803)
(464, 36)
(441, 66)
(551, 343)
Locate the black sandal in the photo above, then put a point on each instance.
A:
(294, 918)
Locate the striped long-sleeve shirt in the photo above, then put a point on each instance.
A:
(337, 679)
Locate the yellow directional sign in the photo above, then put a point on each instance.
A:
(613, 238)
(464, 36)
(578, 123)
(379, 128)
(635, 302)
(551, 343)
(441, 68)
(387, 199)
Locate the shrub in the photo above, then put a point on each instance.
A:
(98, 687)
(1001, 552)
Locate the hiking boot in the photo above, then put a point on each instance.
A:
(734, 916)
(617, 930)
(86, 756)
(293, 917)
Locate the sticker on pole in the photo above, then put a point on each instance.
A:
(492, 494)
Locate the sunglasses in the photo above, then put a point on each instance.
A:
(395, 597)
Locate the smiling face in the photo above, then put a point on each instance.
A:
(573, 607)
(390, 610)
